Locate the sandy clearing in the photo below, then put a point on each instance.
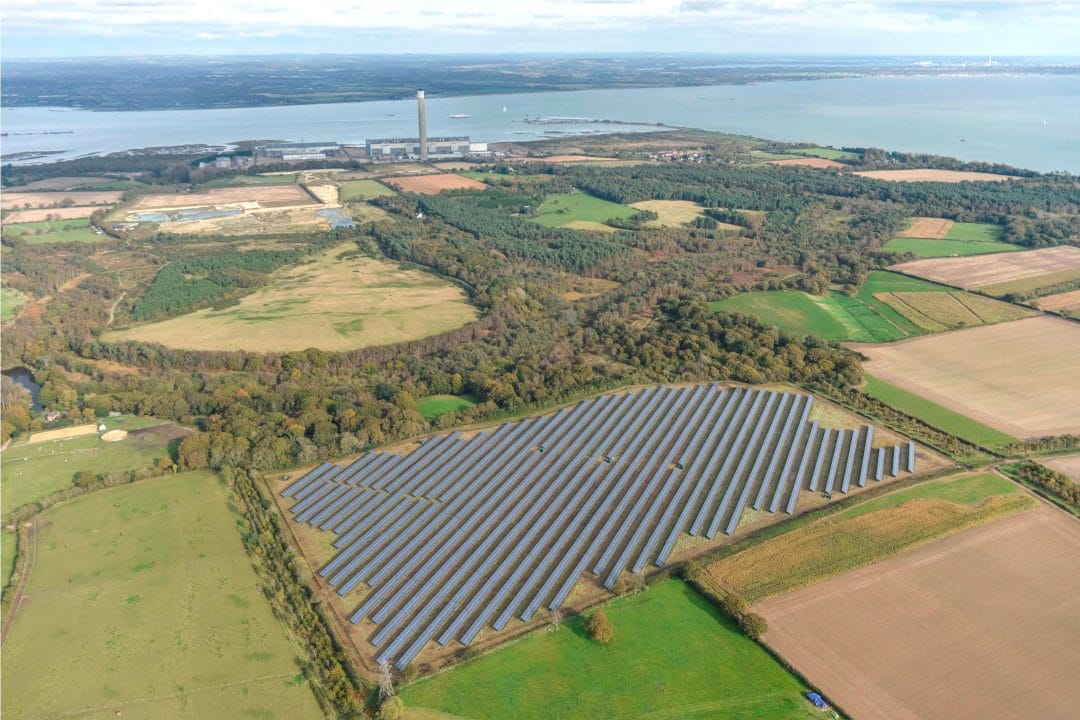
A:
(1059, 302)
(327, 194)
(13, 200)
(434, 184)
(978, 270)
(62, 433)
(814, 162)
(1068, 465)
(263, 195)
(929, 175)
(928, 227)
(68, 213)
(1018, 377)
(983, 624)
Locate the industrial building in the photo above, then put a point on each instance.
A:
(406, 148)
(297, 151)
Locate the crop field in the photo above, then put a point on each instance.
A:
(928, 175)
(939, 311)
(671, 212)
(928, 227)
(460, 535)
(148, 586)
(434, 184)
(66, 213)
(10, 302)
(933, 414)
(1068, 465)
(1000, 273)
(865, 534)
(578, 207)
(934, 237)
(33, 471)
(827, 153)
(1017, 377)
(432, 406)
(54, 231)
(978, 625)
(67, 182)
(265, 196)
(673, 656)
(812, 162)
(325, 303)
(27, 200)
(362, 190)
(1067, 303)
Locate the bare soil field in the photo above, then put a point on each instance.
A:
(1062, 302)
(257, 195)
(434, 184)
(14, 200)
(327, 193)
(975, 271)
(927, 227)
(982, 625)
(67, 213)
(1018, 377)
(928, 175)
(454, 165)
(62, 433)
(814, 162)
(1068, 465)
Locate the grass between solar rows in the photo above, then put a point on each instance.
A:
(865, 534)
(962, 239)
(673, 656)
(362, 190)
(10, 302)
(142, 601)
(54, 231)
(566, 208)
(933, 414)
(432, 406)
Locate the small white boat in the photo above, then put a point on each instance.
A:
(458, 116)
(504, 110)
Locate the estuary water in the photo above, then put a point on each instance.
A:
(1028, 121)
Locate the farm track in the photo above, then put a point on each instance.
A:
(24, 579)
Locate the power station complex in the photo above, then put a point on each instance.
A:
(420, 148)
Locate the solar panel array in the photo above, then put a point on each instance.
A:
(464, 534)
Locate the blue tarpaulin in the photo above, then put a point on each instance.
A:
(817, 700)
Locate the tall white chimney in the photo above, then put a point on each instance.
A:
(422, 113)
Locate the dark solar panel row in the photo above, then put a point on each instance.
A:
(460, 535)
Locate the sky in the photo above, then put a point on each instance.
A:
(73, 28)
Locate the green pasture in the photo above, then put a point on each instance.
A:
(827, 153)
(33, 471)
(432, 406)
(362, 190)
(10, 302)
(54, 231)
(673, 656)
(964, 490)
(565, 208)
(241, 180)
(933, 414)
(962, 239)
(143, 602)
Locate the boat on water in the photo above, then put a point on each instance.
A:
(458, 116)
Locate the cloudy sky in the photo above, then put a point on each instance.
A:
(43, 28)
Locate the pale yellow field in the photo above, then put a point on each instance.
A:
(13, 200)
(929, 175)
(68, 213)
(1019, 377)
(328, 303)
(981, 271)
(589, 225)
(671, 212)
(62, 433)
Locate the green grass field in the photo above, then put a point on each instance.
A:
(567, 208)
(931, 413)
(7, 555)
(673, 656)
(962, 239)
(54, 231)
(142, 600)
(362, 190)
(10, 302)
(827, 153)
(965, 490)
(33, 471)
(432, 406)
(241, 180)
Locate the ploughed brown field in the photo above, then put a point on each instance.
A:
(67, 213)
(261, 195)
(1061, 302)
(927, 227)
(928, 175)
(814, 162)
(1019, 377)
(434, 184)
(1068, 465)
(976, 271)
(983, 624)
(13, 200)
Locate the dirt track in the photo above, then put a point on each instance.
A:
(928, 175)
(981, 270)
(984, 624)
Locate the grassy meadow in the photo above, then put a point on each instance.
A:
(241, 180)
(362, 190)
(326, 303)
(432, 406)
(10, 302)
(827, 153)
(865, 533)
(54, 231)
(577, 208)
(143, 602)
(962, 239)
(933, 414)
(673, 656)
